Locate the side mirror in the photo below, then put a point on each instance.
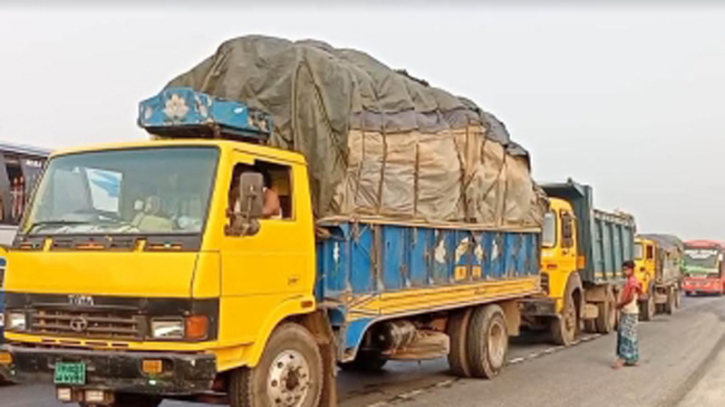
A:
(245, 217)
(251, 195)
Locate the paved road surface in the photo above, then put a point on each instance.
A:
(674, 352)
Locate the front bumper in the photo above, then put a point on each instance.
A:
(702, 286)
(183, 374)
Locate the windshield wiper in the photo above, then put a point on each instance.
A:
(55, 223)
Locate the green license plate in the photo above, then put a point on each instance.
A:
(70, 373)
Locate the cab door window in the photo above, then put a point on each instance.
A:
(567, 230)
(277, 189)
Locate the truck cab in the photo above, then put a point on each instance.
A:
(559, 250)
(645, 269)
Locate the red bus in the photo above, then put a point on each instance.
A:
(704, 267)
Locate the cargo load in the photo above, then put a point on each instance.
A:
(379, 143)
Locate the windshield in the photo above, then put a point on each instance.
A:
(152, 190)
(701, 258)
(548, 235)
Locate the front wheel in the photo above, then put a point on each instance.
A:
(290, 373)
(648, 308)
(565, 328)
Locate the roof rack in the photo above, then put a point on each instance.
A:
(182, 112)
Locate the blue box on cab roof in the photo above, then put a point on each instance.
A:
(180, 112)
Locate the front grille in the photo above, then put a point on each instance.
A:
(88, 324)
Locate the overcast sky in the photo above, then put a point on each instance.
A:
(627, 99)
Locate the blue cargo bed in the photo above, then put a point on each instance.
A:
(369, 272)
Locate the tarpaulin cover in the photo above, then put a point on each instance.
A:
(379, 142)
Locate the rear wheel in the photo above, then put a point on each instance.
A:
(457, 330)
(487, 342)
(678, 297)
(670, 304)
(607, 318)
(289, 373)
(565, 329)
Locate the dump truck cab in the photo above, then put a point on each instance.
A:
(645, 264)
(559, 250)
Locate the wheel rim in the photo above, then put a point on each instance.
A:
(497, 345)
(289, 379)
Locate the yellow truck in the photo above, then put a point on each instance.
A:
(147, 270)
(658, 260)
(582, 252)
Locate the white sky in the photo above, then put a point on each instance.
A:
(629, 100)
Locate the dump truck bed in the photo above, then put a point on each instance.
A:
(605, 239)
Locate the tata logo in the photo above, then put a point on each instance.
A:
(82, 300)
(79, 324)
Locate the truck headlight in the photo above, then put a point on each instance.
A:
(167, 328)
(193, 327)
(16, 321)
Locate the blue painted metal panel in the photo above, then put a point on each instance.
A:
(358, 262)
(177, 109)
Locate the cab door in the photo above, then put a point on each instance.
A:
(265, 273)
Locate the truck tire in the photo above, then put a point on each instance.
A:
(647, 309)
(669, 306)
(457, 330)
(678, 297)
(487, 341)
(365, 362)
(565, 329)
(607, 318)
(590, 325)
(290, 370)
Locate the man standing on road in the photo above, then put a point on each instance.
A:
(627, 346)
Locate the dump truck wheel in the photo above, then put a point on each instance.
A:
(289, 372)
(607, 318)
(590, 325)
(678, 297)
(457, 330)
(647, 310)
(487, 342)
(670, 304)
(565, 329)
(365, 362)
